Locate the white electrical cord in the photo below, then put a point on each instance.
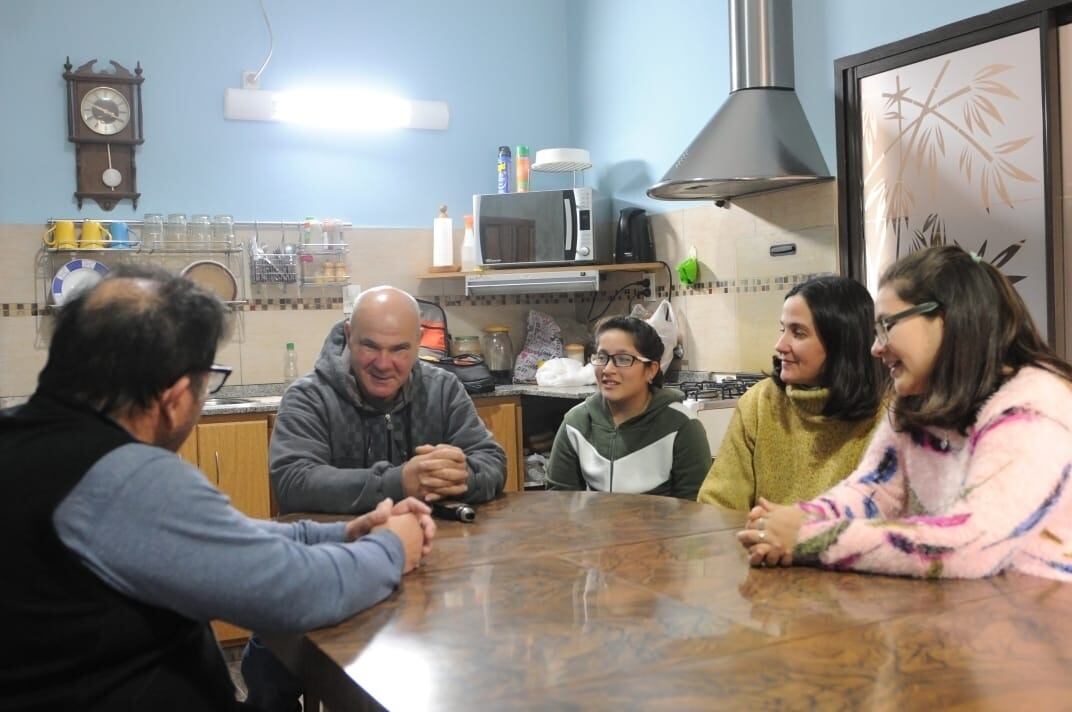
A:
(271, 44)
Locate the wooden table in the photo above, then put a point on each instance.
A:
(573, 600)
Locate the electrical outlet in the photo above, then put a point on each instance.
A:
(650, 276)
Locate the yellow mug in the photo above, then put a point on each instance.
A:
(94, 235)
(62, 232)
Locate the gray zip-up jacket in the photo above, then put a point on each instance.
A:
(334, 452)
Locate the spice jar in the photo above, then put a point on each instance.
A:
(575, 352)
(499, 353)
(465, 345)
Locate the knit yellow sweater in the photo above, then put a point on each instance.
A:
(780, 446)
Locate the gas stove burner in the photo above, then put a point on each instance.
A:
(727, 388)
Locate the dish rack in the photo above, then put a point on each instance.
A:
(273, 268)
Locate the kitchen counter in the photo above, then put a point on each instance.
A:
(265, 398)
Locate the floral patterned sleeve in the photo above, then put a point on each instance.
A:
(1005, 482)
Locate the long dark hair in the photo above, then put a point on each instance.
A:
(645, 338)
(844, 316)
(987, 335)
(121, 352)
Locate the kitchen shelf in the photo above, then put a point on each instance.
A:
(623, 267)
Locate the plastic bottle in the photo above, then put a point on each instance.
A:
(469, 246)
(504, 169)
(311, 232)
(523, 167)
(290, 364)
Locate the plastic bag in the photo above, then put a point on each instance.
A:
(665, 324)
(543, 342)
(565, 372)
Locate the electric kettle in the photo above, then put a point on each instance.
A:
(634, 242)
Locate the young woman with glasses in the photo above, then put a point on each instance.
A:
(803, 429)
(633, 435)
(970, 475)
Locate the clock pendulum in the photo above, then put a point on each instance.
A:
(111, 177)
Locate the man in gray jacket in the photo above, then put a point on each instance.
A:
(372, 421)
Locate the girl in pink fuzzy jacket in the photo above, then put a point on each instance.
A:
(969, 476)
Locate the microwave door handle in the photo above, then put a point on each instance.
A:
(567, 210)
(569, 206)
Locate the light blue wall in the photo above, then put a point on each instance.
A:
(500, 64)
(631, 80)
(650, 75)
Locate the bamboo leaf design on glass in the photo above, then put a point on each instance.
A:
(909, 139)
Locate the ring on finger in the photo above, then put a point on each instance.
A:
(763, 536)
(761, 523)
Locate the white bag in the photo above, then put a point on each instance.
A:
(565, 372)
(665, 324)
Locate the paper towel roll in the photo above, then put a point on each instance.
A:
(442, 240)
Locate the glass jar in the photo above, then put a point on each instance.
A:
(575, 352)
(499, 353)
(465, 345)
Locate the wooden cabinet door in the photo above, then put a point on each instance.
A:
(503, 419)
(235, 455)
(188, 450)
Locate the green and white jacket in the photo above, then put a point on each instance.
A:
(663, 450)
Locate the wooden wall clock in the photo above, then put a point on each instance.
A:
(104, 121)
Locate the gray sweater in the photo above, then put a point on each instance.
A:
(332, 451)
(152, 527)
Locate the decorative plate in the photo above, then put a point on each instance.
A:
(75, 276)
(214, 277)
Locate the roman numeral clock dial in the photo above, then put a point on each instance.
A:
(104, 121)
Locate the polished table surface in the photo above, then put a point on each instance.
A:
(576, 600)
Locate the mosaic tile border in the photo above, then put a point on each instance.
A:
(778, 283)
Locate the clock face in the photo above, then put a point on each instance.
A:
(105, 111)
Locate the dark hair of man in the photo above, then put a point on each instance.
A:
(646, 339)
(120, 352)
(844, 316)
(987, 335)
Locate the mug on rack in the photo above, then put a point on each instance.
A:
(94, 235)
(61, 234)
(120, 235)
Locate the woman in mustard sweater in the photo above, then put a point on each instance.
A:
(799, 432)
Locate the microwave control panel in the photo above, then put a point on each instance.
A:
(584, 248)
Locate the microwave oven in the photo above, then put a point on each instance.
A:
(543, 227)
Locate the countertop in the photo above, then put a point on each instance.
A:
(264, 398)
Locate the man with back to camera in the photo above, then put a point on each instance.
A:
(372, 421)
(122, 551)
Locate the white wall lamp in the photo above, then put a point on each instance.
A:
(353, 109)
(335, 109)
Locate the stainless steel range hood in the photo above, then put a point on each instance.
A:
(760, 139)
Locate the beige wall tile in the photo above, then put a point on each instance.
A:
(714, 232)
(793, 209)
(389, 256)
(22, 355)
(267, 333)
(24, 270)
(816, 252)
(758, 314)
(710, 329)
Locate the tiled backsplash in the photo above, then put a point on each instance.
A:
(728, 318)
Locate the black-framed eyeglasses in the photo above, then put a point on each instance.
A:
(602, 358)
(884, 324)
(217, 376)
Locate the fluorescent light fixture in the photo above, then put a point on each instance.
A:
(335, 109)
(531, 282)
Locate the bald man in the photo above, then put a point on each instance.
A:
(372, 421)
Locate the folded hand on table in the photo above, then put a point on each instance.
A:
(771, 533)
(435, 472)
(411, 519)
